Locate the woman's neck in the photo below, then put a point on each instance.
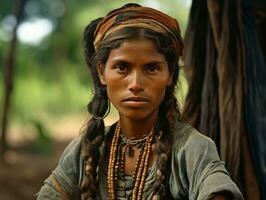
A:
(137, 128)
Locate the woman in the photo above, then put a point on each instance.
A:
(133, 54)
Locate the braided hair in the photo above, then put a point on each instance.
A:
(98, 107)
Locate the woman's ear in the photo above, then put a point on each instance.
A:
(100, 69)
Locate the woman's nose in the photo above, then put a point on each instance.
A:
(136, 82)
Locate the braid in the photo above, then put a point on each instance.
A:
(169, 113)
(94, 134)
(164, 146)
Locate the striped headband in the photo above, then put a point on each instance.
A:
(143, 17)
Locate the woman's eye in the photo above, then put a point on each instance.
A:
(152, 68)
(121, 67)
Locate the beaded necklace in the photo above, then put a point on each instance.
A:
(121, 163)
(130, 143)
(116, 161)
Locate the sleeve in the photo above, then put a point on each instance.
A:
(65, 179)
(198, 172)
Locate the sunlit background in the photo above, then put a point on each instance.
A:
(51, 83)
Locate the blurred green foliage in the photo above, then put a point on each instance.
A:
(43, 142)
(51, 76)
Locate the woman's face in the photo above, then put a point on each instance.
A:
(136, 77)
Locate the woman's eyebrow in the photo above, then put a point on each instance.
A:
(127, 62)
(155, 62)
(121, 61)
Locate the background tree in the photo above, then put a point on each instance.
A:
(227, 92)
(8, 75)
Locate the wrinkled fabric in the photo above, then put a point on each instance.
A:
(139, 16)
(227, 89)
(255, 96)
(214, 101)
(196, 171)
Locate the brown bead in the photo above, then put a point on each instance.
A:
(88, 169)
(158, 173)
(90, 160)
(164, 156)
(155, 197)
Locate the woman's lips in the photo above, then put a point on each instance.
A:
(135, 101)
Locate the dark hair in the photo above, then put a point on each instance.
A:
(169, 111)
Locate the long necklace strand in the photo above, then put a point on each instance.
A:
(140, 176)
(111, 165)
(141, 166)
(144, 173)
(139, 173)
(137, 165)
(122, 168)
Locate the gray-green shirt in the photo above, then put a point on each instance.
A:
(196, 171)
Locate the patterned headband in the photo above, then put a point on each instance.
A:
(143, 17)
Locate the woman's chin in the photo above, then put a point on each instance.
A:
(137, 115)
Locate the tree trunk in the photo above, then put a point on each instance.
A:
(8, 77)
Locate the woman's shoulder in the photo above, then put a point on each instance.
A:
(73, 148)
(187, 137)
(69, 162)
(197, 166)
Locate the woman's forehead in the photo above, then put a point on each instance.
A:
(137, 49)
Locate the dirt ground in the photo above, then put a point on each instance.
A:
(27, 165)
(30, 160)
(24, 175)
